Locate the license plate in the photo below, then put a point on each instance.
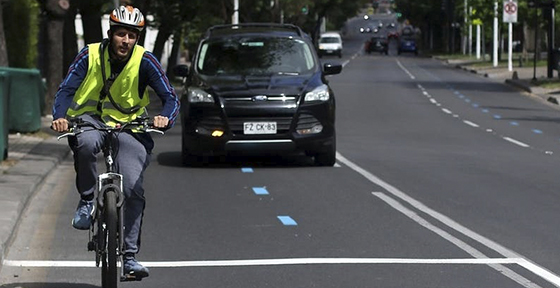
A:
(259, 128)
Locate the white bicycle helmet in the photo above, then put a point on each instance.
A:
(127, 16)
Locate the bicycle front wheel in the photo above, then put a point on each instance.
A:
(109, 274)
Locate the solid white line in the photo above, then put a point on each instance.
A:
(268, 262)
(542, 272)
(436, 215)
(516, 142)
(471, 123)
(405, 70)
(456, 241)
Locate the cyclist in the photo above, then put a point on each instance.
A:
(106, 85)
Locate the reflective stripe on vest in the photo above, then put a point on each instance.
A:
(124, 89)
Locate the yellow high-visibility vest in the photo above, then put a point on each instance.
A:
(124, 89)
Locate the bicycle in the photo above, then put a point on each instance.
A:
(107, 226)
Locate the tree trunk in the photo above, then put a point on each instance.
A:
(161, 38)
(144, 6)
(56, 10)
(172, 60)
(91, 12)
(70, 40)
(91, 21)
(3, 48)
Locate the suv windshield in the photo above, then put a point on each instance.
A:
(329, 40)
(255, 56)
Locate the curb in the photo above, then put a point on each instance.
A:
(20, 182)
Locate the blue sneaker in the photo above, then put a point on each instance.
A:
(84, 215)
(133, 269)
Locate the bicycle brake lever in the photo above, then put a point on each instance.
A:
(66, 135)
(155, 131)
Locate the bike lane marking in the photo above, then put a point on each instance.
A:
(273, 262)
(507, 253)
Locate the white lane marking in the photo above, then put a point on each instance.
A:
(542, 272)
(405, 70)
(268, 262)
(456, 241)
(446, 111)
(507, 253)
(471, 123)
(516, 142)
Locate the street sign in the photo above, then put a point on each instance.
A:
(510, 11)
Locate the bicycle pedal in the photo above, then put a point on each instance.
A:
(130, 277)
(91, 246)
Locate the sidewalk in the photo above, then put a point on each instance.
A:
(520, 77)
(31, 157)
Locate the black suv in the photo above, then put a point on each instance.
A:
(257, 88)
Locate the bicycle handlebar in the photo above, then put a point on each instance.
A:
(76, 124)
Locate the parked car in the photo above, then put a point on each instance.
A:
(330, 43)
(257, 88)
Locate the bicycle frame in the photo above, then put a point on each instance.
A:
(109, 181)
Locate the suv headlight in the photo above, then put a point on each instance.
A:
(197, 95)
(320, 93)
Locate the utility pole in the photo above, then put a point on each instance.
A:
(495, 46)
(550, 17)
(470, 33)
(465, 39)
(235, 16)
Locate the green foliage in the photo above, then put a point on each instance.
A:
(21, 26)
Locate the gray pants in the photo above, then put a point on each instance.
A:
(132, 160)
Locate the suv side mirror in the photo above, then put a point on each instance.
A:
(181, 70)
(331, 69)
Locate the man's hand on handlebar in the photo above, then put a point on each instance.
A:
(60, 125)
(161, 122)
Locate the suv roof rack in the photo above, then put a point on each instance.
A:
(228, 28)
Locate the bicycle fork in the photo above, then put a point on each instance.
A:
(108, 182)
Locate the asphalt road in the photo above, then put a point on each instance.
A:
(443, 179)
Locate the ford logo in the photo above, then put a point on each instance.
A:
(260, 98)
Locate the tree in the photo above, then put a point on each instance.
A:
(91, 12)
(3, 48)
(56, 10)
(21, 18)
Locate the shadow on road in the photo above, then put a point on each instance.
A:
(173, 159)
(48, 285)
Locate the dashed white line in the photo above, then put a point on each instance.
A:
(471, 123)
(516, 142)
(446, 111)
